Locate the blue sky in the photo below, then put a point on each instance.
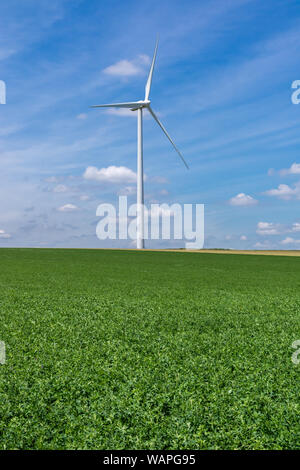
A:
(222, 87)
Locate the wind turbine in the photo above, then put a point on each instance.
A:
(139, 106)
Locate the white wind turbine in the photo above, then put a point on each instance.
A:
(138, 106)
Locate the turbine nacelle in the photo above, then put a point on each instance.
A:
(142, 104)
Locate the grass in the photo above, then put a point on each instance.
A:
(128, 350)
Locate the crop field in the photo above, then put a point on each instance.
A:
(148, 350)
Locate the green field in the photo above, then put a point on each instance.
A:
(148, 350)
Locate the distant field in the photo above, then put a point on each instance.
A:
(148, 350)
(256, 252)
(233, 252)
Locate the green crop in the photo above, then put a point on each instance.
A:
(148, 350)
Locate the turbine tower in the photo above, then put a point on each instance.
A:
(139, 106)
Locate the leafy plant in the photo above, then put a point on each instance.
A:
(148, 350)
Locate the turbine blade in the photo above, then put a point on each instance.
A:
(149, 81)
(117, 105)
(164, 130)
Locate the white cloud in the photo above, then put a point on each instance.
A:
(4, 234)
(263, 245)
(243, 237)
(159, 180)
(111, 174)
(293, 170)
(296, 227)
(289, 240)
(52, 179)
(284, 191)
(270, 228)
(127, 68)
(127, 191)
(164, 192)
(144, 59)
(123, 112)
(81, 116)
(123, 68)
(67, 208)
(267, 228)
(84, 197)
(60, 188)
(242, 199)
